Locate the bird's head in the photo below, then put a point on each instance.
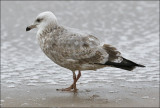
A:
(43, 20)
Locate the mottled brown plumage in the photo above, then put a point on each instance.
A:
(113, 53)
(74, 49)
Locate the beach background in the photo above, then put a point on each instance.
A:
(30, 79)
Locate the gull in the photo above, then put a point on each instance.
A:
(74, 49)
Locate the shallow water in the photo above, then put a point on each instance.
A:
(132, 27)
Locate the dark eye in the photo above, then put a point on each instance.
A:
(38, 20)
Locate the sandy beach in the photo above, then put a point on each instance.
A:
(89, 95)
(30, 79)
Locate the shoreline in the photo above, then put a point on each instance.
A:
(88, 95)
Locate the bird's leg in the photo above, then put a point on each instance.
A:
(79, 75)
(74, 82)
(75, 79)
(73, 86)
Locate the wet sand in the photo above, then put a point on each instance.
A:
(89, 95)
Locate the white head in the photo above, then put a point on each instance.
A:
(43, 20)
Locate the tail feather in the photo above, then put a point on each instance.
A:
(125, 64)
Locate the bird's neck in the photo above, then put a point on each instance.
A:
(47, 29)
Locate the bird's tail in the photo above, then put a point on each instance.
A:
(125, 64)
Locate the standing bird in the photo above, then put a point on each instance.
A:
(74, 49)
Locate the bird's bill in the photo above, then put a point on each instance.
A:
(30, 27)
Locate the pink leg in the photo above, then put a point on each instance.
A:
(79, 75)
(73, 86)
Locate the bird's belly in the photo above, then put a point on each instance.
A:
(54, 56)
(58, 58)
(90, 67)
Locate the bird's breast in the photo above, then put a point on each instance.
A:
(50, 47)
(47, 44)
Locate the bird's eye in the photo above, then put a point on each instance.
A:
(38, 20)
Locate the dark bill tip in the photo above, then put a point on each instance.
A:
(27, 29)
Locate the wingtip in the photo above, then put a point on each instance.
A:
(141, 65)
